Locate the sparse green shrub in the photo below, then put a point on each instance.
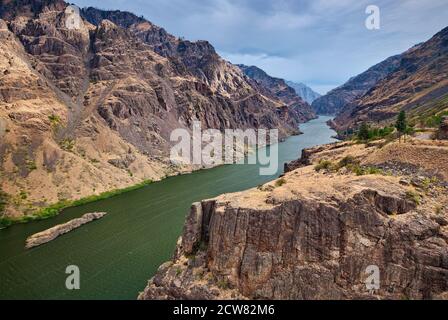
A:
(426, 184)
(414, 197)
(324, 165)
(67, 144)
(348, 160)
(357, 169)
(363, 133)
(54, 119)
(223, 284)
(280, 182)
(373, 170)
(31, 165)
(4, 197)
(366, 133)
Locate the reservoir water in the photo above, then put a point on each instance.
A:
(119, 253)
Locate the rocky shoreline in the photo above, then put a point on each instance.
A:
(56, 231)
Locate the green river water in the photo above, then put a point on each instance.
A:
(119, 253)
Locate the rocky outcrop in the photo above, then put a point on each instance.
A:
(443, 130)
(303, 91)
(417, 85)
(52, 233)
(315, 235)
(279, 88)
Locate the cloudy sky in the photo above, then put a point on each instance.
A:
(319, 42)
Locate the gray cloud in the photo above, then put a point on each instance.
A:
(318, 42)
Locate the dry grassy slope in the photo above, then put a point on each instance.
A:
(418, 85)
(33, 162)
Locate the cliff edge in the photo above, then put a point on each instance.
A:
(313, 233)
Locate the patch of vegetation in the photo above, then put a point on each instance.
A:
(414, 197)
(348, 162)
(67, 144)
(435, 120)
(324, 165)
(222, 284)
(438, 209)
(56, 208)
(366, 133)
(54, 120)
(30, 165)
(4, 197)
(178, 271)
(280, 182)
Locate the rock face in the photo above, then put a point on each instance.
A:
(443, 130)
(280, 89)
(313, 235)
(52, 233)
(417, 85)
(303, 91)
(101, 101)
(338, 99)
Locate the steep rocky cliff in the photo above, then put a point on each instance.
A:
(278, 88)
(313, 233)
(418, 85)
(338, 99)
(91, 109)
(303, 91)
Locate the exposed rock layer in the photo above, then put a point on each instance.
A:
(88, 110)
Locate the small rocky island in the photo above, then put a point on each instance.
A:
(54, 232)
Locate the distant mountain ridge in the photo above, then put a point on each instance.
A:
(337, 99)
(279, 88)
(417, 84)
(305, 92)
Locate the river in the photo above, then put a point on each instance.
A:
(119, 253)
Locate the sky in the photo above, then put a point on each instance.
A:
(321, 43)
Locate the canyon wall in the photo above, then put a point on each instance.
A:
(313, 233)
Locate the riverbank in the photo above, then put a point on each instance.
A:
(119, 254)
(57, 208)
